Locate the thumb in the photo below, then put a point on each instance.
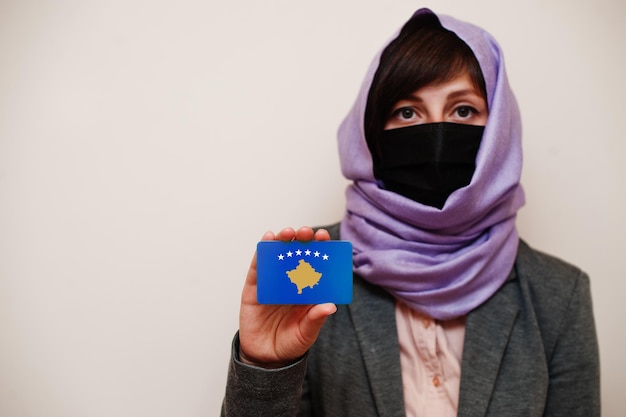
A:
(315, 319)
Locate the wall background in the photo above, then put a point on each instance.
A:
(145, 146)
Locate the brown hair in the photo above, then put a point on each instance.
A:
(424, 53)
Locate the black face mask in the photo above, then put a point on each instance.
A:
(427, 162)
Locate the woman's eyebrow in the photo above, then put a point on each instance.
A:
(412, 97)
(463, 93)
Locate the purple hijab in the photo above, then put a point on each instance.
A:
(443, 263)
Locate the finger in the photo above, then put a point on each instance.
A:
(304, 234)
(286, 235)
(322, 234)
(268, 236)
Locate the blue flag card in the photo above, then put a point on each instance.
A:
(312, 272)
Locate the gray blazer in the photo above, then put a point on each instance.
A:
(530, 350)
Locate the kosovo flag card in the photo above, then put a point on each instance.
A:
(312, 272)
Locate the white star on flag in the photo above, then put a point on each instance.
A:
(299, 252)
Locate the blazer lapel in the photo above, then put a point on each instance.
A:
(486, 336)
(373, 315)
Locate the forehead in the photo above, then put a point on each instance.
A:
(461, 84)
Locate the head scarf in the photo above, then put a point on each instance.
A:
(443, 263)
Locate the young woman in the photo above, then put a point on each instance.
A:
(453, 314)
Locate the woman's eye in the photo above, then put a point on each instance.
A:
(405, 113)
(465, 111)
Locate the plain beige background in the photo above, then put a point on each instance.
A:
(145, 146)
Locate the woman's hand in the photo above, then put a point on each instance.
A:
(272, 336)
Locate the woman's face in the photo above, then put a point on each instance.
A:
(454, 101)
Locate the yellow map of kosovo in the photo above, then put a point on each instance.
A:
(304, 276)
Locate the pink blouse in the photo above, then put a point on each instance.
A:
(430, 355)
